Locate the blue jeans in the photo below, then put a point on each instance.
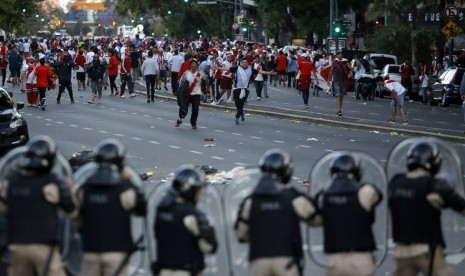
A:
(339, 89)
(424, 91)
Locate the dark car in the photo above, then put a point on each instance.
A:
(13, 127)
(447, 88)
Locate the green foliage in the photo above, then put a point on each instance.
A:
(396, 39)
(12, 16)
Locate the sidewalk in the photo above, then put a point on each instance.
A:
(285, 103)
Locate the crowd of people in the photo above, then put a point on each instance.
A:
(104, 194)
(97, 63)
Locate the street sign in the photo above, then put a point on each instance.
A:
(451, 11)
(451, 30)
(235, 26)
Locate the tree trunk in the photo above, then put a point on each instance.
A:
(413, 37)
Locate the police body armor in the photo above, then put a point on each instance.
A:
(272, 213)
(210, 204)
(40, 222)
(444, 227)
(106, 226)
(342, 210)
(414, 219)
(170, 222)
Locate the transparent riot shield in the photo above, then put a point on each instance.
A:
(210, 204)
(236, 191)
(11, 164)
(138, 228)
(453, 224)
(372, 173)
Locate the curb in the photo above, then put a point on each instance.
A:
(315, 120)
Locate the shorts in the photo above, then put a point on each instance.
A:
(162, 73)
(339, 89)
(226, 83)
(81, 76)
(401, 100)
(15, 72)
(282, 72)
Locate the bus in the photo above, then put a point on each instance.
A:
(124, 31)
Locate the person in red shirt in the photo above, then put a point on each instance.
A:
(113, 71)
(305, 68)
(406, 79)
(126, 77)
(281, 62)
(3, 66)
(185, 66)
(43, 73)
(80, 61)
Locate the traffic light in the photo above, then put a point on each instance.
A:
(169, 12)
(141, 18)
(244, 29)
(337, 28)
(199, 31)
(99, 25)
(379, 22)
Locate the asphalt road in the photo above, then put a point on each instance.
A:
(152, 141)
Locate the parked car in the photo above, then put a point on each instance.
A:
(13, 127)
(381, 60)
(393, 72)
(447, 89)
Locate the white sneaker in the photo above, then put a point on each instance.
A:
(258, 98)
(411, 101)
(214, 103)
(132, 95)
(122, 96)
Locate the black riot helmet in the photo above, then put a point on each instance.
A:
(424, 155)
(110, 151)
(188, 181)
(279, 163)
(40, 154)
(346, 164)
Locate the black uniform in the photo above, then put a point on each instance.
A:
(414, 219)
(177, 246)
(347, 225)
(64, 71)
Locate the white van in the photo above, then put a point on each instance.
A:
(381, 60)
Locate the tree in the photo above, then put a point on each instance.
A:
(14, 14)
(397, 8)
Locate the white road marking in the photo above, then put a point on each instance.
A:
(49, 120)
(279, 142)
(145, 115)
(134, 113)
(29, 114)
(419, 120)
(40, 117)
(439, 122)
(154, 142)
(255, 137)
(159, 118)
(113, 109)
(218, 130)
(240, 164)
(87, 128)
(60, 123)
(304, 146)
(171, 121)
(202, 127)
(373, 114)
(217, 157)
(119, 135)
(48, 124)
(174, 147)
(137, 139)
(196, 152)
(73, 125)
(103, 131)
(237, 134)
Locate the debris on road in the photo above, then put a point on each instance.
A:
(209, 139)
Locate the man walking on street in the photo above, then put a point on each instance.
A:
(194, 78)
(149, 71)
(64, 70)
(96, 72)
(339, 73)
(176, 63)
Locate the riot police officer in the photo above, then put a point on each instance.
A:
(32, 194)
(182, 232)
(347, 211)
(107, 194)
(268, 219)
(415, 200)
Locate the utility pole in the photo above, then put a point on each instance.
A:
(331, 18)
